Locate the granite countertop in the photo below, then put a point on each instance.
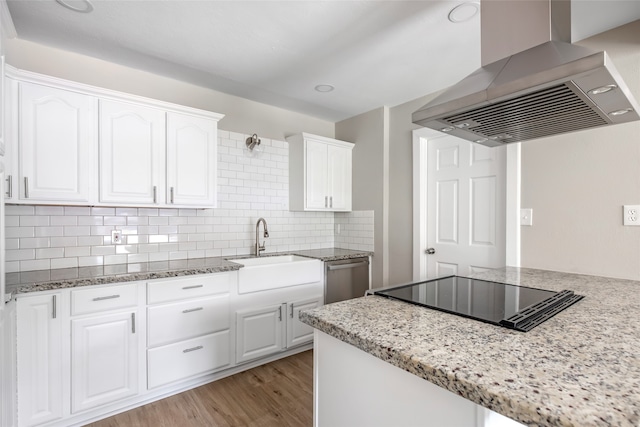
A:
(579, 368)
(45, 280)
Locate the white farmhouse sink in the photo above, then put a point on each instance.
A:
(272, 272)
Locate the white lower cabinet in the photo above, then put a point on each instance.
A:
(187, 358)
(86, 352)
(189, 333)
(299, 333)
(40, 361)
(262, 331)
(104, 359)
(259, 332)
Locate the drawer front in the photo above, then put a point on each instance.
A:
(187, 319)
(182, 360)
(105, 298)
(166, 290)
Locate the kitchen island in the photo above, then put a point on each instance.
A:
(580, 368)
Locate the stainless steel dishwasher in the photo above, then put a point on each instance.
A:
(346, 279)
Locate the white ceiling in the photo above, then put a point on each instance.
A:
(374, 52)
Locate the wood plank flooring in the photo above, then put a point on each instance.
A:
(276, 394)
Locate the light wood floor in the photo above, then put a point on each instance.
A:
(276, 394)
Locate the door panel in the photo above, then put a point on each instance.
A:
(191, 160)
(259, 332)
(104, 360)
(57, 134)
(132, 144)
(465, 207)
(297, 332)
(316, 176)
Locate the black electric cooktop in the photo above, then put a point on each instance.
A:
(515, 307)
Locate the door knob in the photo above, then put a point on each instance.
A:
(430, 251)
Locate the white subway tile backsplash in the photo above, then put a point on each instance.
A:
(248, 188)
(64, 262)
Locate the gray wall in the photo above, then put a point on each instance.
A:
(401, 234)
(577, 184)
(370, 181)
(241, 115)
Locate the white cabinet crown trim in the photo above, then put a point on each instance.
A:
(31, 77)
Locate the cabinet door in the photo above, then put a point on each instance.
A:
(191, 160)
(57, 136)
(132, 153)
(260, 332)
(297, 332)
(104, 359)
(339, 178)
(39, 348)
(317, 193)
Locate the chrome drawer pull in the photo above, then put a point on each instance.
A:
(54, 314)
(193, 349)
(133, 323)
(191, 310)
(192, 287)
(26, 187)
(107, 297)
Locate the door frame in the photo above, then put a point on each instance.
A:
(512, 202)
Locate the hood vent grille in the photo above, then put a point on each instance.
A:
(555, 110)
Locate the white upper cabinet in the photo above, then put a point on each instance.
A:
(69, 143)
(319, 173)
(56, 135)
(132, 153)
(191, 160)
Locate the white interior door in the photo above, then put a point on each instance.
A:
(465, 209)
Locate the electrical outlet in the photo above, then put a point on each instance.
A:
(631, 215)
(116, 237)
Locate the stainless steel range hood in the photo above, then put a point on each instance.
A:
(550, 89)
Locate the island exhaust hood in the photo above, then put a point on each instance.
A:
(549, 89)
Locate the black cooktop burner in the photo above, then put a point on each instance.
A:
(516, 307)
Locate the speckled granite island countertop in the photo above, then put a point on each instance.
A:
(44, 280)
(579, 368)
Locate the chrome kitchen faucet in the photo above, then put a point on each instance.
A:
(260, 248)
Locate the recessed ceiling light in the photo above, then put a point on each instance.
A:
(464, 12)
(82, 6)
(446, 129)
(324, 88)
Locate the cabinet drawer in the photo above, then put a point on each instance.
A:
(187, 319)
(165, 290)
(187, 358)
(104, 298)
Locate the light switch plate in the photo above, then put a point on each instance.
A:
(631, 215)
(526, 217)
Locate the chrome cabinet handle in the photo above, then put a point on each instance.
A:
(325, 201)
(280, 313)
(343, 266)
(171, 191)
(331, 201)
(133, 323)
(9, 191)
(192, 349)
(26, 187)
(292, 310)
(192, 287)
(107, 297)
(155, 194)
(430, 251)
(54, 314)
(191, 310)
